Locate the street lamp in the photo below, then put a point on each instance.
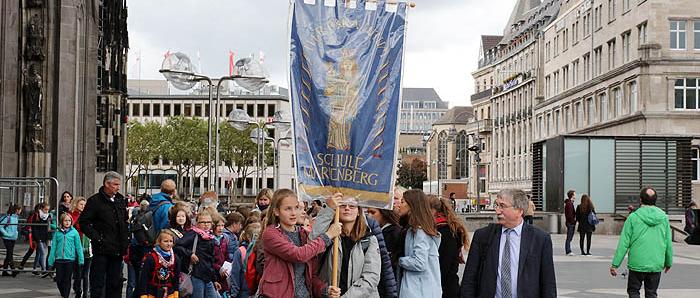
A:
(179, 70)
(476, 148)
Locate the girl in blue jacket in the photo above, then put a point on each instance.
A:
(67, 249)
(8, 231)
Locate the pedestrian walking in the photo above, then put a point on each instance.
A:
(161, 203)
(290, 265)
(359, 259)
(420, 266)
(570, 214)
(81, 278)
(388, 220)
(494, 266)
(39, 237)
(196, 250)
(8, 232)
(67, 251)
(530, 212)
(585, 226)
(691, 220)
(646, 240)
(453, 238)
(160, 272)
(104, 221)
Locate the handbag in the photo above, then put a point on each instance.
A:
(593, 219)
(185, 278)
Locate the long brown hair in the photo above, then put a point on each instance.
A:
(586, 204)
(172, 217)
(456, 226)
(420, 216)
(277, 197)
(359, 228)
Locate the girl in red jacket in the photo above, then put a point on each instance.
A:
(160, 271)
(289, 253)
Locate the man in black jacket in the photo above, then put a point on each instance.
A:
(511, 258)
(104, 221)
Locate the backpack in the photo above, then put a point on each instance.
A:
(593, 219)
(248, 257)
(141, 226)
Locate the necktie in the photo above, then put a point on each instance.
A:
(505, 268)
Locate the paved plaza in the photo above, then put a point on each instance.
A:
(577, 276)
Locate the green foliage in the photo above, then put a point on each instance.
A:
(412, 175)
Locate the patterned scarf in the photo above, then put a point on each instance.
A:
(206, 235)
(165, 258)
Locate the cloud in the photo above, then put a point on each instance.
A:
(443, 38)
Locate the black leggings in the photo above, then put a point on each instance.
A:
(588, 243)
(9, 253)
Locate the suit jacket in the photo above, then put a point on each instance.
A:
(536, 277)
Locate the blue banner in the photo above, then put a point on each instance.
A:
(345, 80)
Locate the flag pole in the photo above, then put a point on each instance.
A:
(336, 244)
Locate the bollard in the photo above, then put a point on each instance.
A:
(553, 223)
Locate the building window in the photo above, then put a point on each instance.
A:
(677, 35)
(567, 118)
(188, 110)
(198, 109)
(565, 77)
(176, 110)
(442, 156)
(574, 73)
(587, 66)
(642, 33)
(556, 83)
(462, 158)
(146, 109)
(686, 94)
(617, 96)
(611, 54)
(156, 110)
(136, 110)
(611, 10)
(626, 47)
(166, 110)
(696, 35)
(579, 115)
(694, 158)
(549, 124)
(557, 129)
(632, 91)
(603, 103)
(625, 5)
(574, 32)
(598, 60)
(591, 111)
(565, 39)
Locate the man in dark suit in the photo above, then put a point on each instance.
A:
(512, 258)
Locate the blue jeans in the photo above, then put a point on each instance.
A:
(40, 257)
(202, 289)
(130, 280)
(569, 237)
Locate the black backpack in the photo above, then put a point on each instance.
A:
(141, 226)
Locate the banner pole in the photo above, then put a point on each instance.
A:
(336, 243)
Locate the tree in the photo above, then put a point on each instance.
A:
(185, 146)
(143, 145)
(238, 151)
(412, 175)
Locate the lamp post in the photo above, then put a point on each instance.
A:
(476, 149)
(182, 73)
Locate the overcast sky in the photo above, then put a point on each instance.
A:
(443, 38)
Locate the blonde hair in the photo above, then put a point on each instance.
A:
(251, 231)
(74, 203)
(277, 198)
(63, 217)
(166, 232)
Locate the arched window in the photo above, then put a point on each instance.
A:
(442, 155)
(462, 156)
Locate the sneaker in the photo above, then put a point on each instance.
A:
(45, 274)
(570, 254)
(36, 273)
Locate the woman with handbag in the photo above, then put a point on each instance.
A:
(585, 226)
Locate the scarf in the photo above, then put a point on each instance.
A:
(440, 219)
(163, 254)
(217, 239)
(206, 235)
(43, 215)
(262, 208)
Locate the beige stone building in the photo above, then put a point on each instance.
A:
(622, 74)
(517, 74)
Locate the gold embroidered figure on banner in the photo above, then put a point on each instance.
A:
(342, 94)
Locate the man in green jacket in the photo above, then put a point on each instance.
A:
(646, 237)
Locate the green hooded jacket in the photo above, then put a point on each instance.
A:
(646, 237)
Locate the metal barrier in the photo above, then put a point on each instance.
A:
(27, 192)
